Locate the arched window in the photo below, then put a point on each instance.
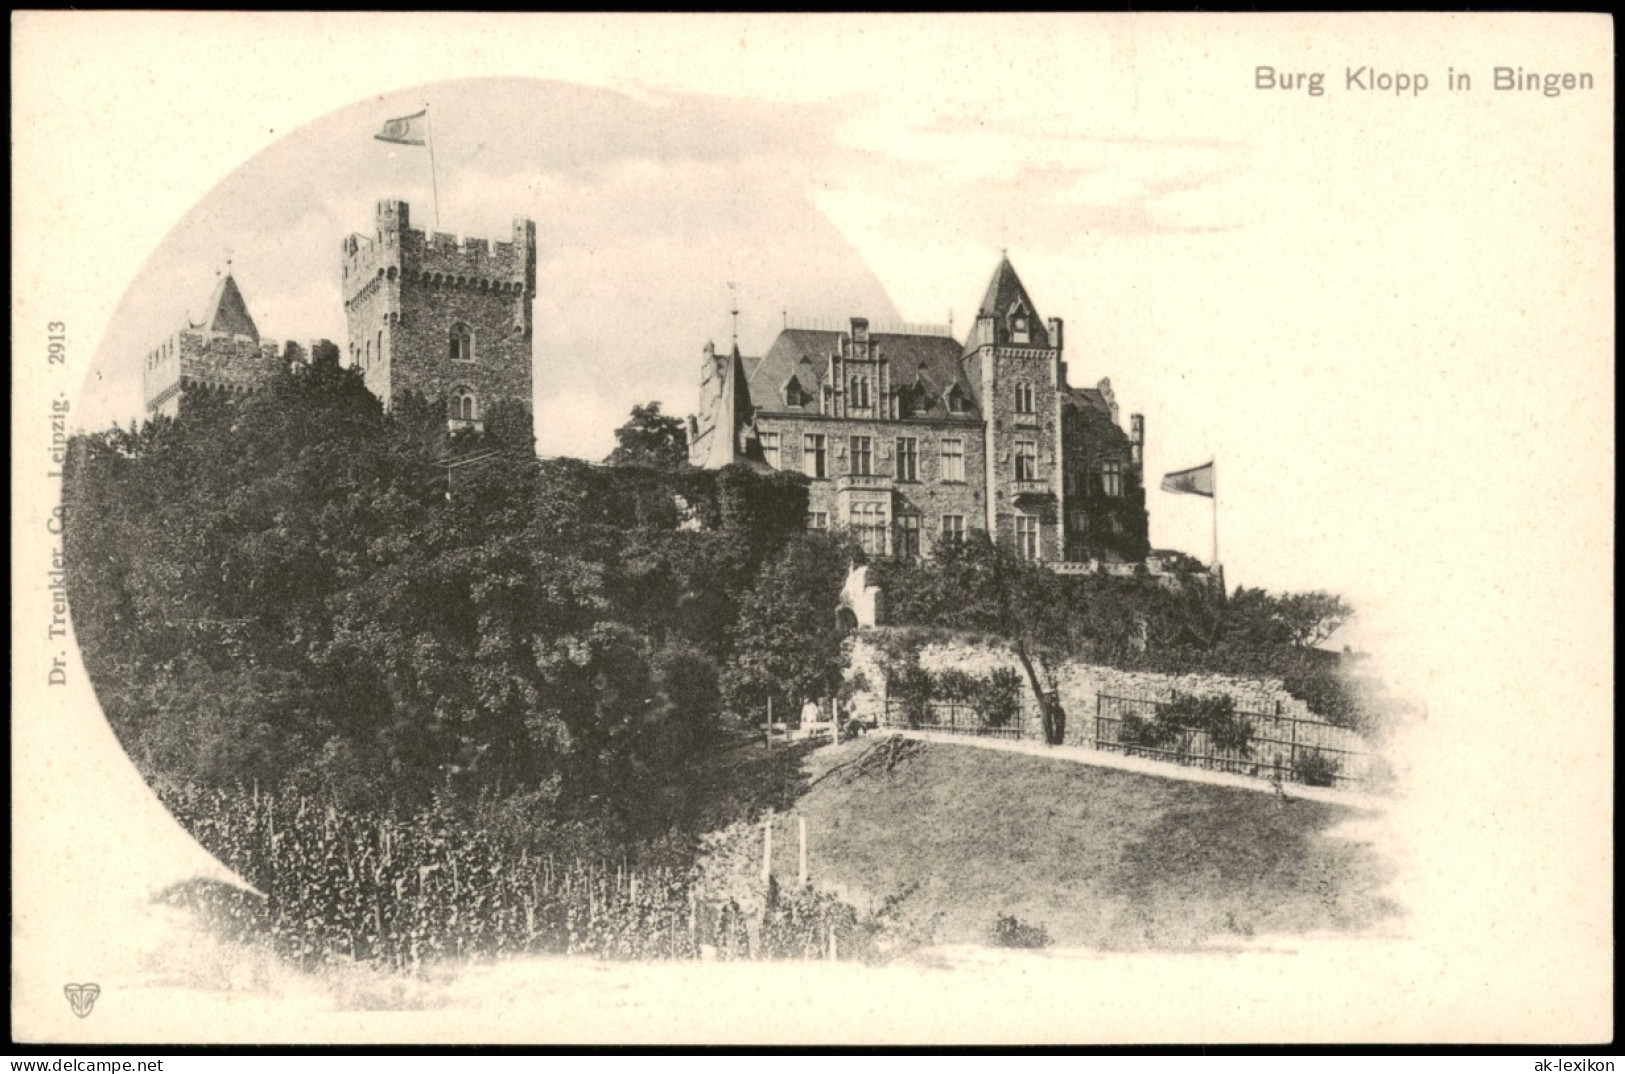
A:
(462, 343)
(462, 405)
(366, 356)
(380, 351)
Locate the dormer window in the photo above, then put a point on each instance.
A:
(858, 397)
(793, 394)
(461, 343)
(1018, 329)
(956, 401)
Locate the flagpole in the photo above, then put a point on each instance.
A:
(434, 179)
(1215, 465)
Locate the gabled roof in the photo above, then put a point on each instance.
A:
(1006, 298)
(227, 312)
(930, 360)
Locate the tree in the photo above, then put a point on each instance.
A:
(786, 645)
(1256, 619)
(651, 439)
(1311, 618)
(983, 586)
(1252, 621)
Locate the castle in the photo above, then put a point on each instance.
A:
(428, 313)
(222, 353)
(911, 439)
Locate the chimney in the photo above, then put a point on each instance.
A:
(1055, 332)
(1136, 437)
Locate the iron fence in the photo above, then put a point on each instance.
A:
(1280, 747)
(955, 717)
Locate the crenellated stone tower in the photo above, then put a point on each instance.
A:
(445, 317)
(223, 354)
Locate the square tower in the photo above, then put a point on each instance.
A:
(445, 317)
(1015, 360)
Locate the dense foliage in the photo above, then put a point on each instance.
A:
(1186, 715)
(1135, 623)
(299, 590)
(994, 698)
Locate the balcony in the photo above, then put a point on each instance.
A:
(1031, 489)
(459, 424)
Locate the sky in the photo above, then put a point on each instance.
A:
(1390, 319)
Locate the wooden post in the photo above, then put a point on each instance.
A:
(801, 873)
(1293, 766)
(767, 847)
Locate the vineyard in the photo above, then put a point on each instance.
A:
(347, 886)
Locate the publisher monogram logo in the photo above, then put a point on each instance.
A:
(82, 997)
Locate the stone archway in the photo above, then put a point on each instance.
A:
(860, 600)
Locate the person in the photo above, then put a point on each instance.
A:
(852, 726)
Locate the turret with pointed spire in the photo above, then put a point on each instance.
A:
(723, 430)
(227, 312)
(1007, 316)
(222, 353)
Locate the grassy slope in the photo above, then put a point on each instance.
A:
(1098, 857)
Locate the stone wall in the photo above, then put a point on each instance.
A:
(198, 360)
(1079, 686)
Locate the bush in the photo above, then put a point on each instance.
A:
(1316, 769)
(1153, 733)
(910, 686)
(998, 696)
(956, 685)
(1215, 716)
(1007, 931)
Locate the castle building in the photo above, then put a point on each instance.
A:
(447, 318)
(223, 353)
(443, 317)
(912, 439)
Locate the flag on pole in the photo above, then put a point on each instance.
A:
(407, 130)
(1197, 481)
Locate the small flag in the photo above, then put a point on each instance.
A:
(407, 130)
(1198, 480)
